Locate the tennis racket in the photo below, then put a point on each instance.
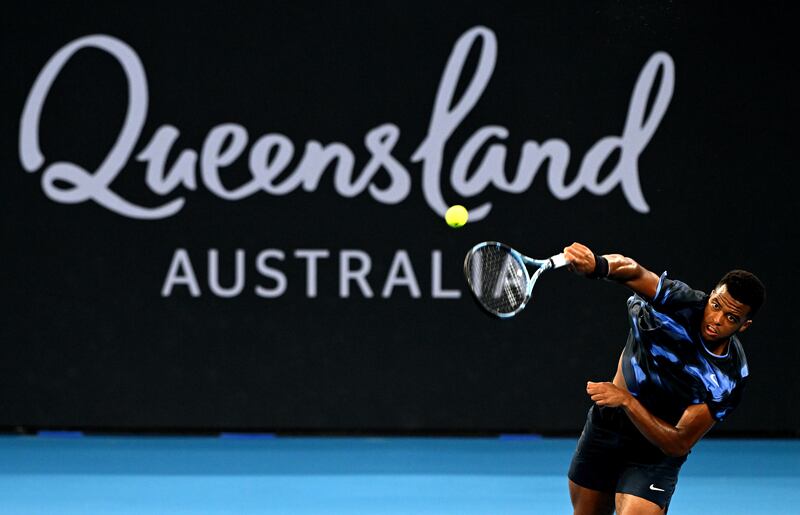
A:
(499, 279)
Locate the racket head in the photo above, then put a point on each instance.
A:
(498, 278)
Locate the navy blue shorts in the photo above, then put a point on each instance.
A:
(613, 456)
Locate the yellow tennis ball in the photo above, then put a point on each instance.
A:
(456, 216)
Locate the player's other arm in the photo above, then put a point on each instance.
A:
(621, 269)
(675, 440)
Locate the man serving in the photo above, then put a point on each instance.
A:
(683, 369)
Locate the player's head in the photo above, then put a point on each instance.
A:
(745, 288)
(732, 305)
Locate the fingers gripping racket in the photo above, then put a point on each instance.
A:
(499, 279)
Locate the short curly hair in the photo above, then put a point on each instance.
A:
(746, 288)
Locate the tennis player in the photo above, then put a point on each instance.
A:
(682, 370)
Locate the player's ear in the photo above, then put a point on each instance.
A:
(745, 325)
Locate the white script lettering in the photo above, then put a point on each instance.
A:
(270, 154)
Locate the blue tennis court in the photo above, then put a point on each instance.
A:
(244, 474)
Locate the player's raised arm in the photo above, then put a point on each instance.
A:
(615, 267)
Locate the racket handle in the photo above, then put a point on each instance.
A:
(559, 260)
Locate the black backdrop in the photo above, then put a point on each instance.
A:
(95, 335)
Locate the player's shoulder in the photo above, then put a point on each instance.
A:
(670, 293)
(669, 289)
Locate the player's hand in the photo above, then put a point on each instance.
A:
(580, 258)
(607, 394)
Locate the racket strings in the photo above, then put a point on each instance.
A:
(499, 281)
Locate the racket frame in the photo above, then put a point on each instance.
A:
(556, 261)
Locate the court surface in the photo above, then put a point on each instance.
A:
(244, 474)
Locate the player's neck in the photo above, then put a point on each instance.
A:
(719, 349)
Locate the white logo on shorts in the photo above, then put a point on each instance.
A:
(653, 487)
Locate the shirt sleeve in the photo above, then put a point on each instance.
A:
(723, 407)
(673, 295)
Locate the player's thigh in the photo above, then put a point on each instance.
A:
(586, 501)
(631, 505)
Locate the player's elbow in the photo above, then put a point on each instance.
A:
(676, 449)
(676, 453)
(622, 268)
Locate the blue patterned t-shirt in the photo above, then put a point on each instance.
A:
(666, 363)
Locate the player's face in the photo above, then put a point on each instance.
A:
(723, 316)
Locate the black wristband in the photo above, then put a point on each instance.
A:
(600, 268)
